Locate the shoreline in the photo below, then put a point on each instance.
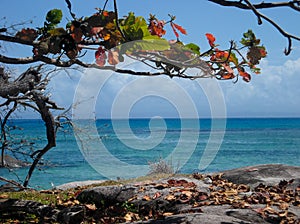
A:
(266, 193)
(251, 175)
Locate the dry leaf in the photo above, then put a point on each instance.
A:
(284, 206)
(4, 196)
(146, 198)
(156, 195)
(170, 197)
(167, 214)
(130, 216)
(231, 192)
(91, 207)
(187, 193)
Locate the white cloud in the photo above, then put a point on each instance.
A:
(273, 93)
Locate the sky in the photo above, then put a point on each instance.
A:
(273, 93)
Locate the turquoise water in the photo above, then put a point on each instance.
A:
(246, 142)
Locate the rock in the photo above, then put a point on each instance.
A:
(212, 215)
(106, 194)
(72, 215)
(180, 198)
(76, 184)
(12, 162)
(269, 174)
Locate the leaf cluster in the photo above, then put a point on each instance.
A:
(108, 33)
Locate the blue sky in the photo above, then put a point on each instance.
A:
(274, 93)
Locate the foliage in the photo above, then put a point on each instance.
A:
(105, 30)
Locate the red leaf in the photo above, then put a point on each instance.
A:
(245, 75)
(157, 27)
(174, 30)
(183, 31)
(211, 39)
(100, 56)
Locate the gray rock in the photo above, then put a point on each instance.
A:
(12, 162)
(106, 195)
(78, 184)
(269, 174)
(72, 215)
(153, 196)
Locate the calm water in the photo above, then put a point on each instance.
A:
(246, 142)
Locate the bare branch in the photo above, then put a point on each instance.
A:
(117, 20)
(263, 5)
(18, 40)
(12, 182)
(249, 6)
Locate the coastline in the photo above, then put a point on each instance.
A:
(267, 193)
(251, 175)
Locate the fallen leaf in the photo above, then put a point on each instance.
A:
(170, 197)
(146, 198)
(91, 207)
(284, 206)
(156, 195)
(4, 196)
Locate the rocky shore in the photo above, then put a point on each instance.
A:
(257, 194)
(12, 162)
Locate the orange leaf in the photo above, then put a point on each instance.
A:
(245, 75)
(76, 33)
(113, 57)
(105, 13)
(211, 39)
(183, 31)
(228, 68)
(146, 198)
(228, 76)
(174, 30)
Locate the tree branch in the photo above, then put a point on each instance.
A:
(262, 5)
(249, 6)
(47, 117)
(18, 40)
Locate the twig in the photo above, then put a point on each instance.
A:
(13, 183)
(254, 7)
(117, 20)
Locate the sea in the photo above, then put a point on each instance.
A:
(115, 149)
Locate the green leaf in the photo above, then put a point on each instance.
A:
(150, 44)
(234, 59)
(57, 32)
(249, 39)
(54, 16)
(134, 28)
(193, 47)
(147, 44)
